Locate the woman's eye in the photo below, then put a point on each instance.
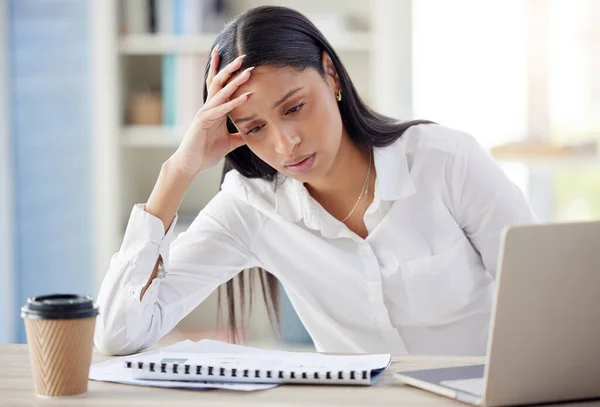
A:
(254, 130)
(295, 109)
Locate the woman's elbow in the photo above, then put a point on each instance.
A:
(114, 342)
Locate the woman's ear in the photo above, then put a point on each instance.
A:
(331, 75)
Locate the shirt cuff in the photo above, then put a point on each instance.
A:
(145, 239)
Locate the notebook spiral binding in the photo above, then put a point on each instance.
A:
(269, 375)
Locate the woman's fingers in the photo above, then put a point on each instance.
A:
(219, 91)
(214, 63)
(221, 110)
(225, 93)
(221, 78)
(235, 141)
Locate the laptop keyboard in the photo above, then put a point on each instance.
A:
(473, 386)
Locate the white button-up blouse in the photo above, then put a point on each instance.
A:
(422, 282)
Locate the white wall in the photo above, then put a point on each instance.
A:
(391, 66)
(470, 67)
(105, 124)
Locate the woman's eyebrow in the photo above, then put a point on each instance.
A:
(280, 101)
(286, 97)
(243, 119)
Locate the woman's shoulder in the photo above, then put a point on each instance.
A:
(431, 137)
(236, 183)
(231, 206)
(254, 193)
(277, 198)
(247, 189)
(433, 153)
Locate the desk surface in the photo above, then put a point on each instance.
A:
(16, 389)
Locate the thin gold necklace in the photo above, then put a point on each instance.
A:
(360, 221)
(365, 189)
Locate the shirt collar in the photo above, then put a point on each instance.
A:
(393, 177)
(289, 198)
(393, 182)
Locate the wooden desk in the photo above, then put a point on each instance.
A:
(16, 389)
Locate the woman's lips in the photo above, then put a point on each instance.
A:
(303, 165)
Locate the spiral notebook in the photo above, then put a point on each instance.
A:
(111, 370)
(267, 367)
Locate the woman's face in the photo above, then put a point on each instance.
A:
(291, 120)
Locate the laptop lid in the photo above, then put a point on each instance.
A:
(545, 329)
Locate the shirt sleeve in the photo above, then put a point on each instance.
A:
(216, 247)
(485, 200)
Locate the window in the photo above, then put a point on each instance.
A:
(505, 70)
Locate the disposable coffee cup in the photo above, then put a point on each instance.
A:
(60, 337)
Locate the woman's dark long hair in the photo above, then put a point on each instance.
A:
(280, 36)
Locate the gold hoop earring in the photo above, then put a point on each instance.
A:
(338, 95)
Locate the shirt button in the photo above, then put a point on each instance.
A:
(365, 250)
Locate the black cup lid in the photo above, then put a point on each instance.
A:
(59, 306)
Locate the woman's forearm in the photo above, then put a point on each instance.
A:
(168, 192)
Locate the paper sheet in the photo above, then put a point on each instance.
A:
(268, 361)
(112, 370)
(215, 352)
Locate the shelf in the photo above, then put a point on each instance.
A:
(164, 44)
(581, 160)
(151, 136)
(545, 153)
(351, 42)
(170, 137)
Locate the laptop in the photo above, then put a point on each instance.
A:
(544, 342)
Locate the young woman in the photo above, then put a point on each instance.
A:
(384, 234)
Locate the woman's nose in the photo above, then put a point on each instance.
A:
(286, 142)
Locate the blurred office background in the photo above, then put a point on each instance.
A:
(95, 95)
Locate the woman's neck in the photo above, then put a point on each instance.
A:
(339, 190)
